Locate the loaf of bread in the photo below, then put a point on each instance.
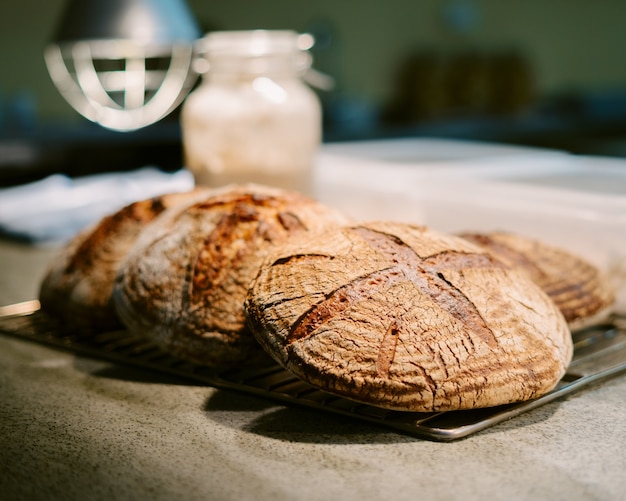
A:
(580, 290)
(184, 283)
(406, 318)
(77, 286)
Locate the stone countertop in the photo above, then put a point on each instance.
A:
(77, 428)
(72, 427)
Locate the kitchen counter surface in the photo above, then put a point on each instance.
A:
(78, 428)
(72, 427)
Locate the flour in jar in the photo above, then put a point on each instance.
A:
(244, 125)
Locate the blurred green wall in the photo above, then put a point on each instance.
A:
(571, 44)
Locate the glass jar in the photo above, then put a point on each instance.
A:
(253, 119)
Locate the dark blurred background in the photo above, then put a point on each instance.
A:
(547, 73)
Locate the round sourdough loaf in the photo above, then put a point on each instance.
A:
(184, 283)
(78, 284)
(582, 293)
(405, 318)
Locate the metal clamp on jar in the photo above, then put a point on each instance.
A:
(252, 119)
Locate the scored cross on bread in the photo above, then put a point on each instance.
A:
(407, 318)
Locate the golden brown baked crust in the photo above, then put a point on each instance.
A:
(406, 318)
(184, 283)
(78, 283)
(582, 293)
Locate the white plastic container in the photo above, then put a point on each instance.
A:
(253, 119)
(575, 202)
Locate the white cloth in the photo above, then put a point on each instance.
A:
(55, 208)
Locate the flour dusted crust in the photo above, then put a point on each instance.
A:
(78, 283)
(406, 318)
(184, 283)
(582, 293)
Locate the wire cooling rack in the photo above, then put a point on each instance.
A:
(599, 353)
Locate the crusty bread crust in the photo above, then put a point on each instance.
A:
(184, 283)
(580, 290)
(406, 318)
(78, 283)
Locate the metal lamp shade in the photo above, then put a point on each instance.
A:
(124, 64)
